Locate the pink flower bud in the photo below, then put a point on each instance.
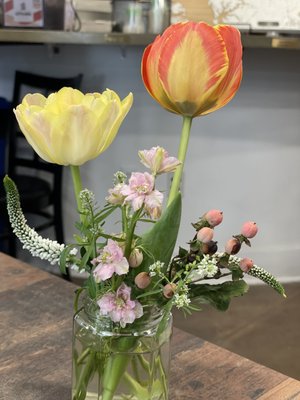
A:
(135, 258)
(169, 290)
(214, 217)
(249, 229)
(233, 246)
(142, 280)
(205, 235)
(246, 264)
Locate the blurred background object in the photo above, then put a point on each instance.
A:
(93, 15)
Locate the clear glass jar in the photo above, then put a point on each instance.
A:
(113, 363)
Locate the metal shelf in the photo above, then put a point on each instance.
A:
(39, 36)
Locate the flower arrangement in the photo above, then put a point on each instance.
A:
(192, 69)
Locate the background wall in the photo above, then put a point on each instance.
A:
(243, 159)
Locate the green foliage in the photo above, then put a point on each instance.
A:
(159, 242)
(91, 287)
(63, 260)
(220, 295)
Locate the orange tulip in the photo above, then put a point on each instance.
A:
(193, 69)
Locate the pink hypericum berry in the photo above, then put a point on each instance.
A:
(249, 229)
(214, 217)
(205, 235)
(142, 280)
(169, 290)
(209, 248)
(233, 246)
(246, 264)
(135, 258)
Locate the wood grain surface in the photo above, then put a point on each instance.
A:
(35, 349)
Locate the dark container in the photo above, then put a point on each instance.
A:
(54, 14)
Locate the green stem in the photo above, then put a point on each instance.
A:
(77, 295)
(130, 232)
(184, 141)
(82, 383)
(116, 367)
(83, 355)
(77, 184)
(124, 219)
(163, 377)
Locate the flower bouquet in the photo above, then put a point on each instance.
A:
(123, 320)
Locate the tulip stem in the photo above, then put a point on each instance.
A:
(184, 141)
(77, 185)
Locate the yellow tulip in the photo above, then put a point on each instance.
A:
(70, 128)
(193, 68)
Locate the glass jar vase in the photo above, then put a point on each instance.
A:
(114, 363)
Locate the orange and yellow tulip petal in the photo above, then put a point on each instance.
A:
(193, 68)
(232, 80)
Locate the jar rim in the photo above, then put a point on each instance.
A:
(147, 324)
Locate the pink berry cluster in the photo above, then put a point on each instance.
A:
(205, 233)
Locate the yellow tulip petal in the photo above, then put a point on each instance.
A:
(69, 127)
(57, 102)
(116, 123)
(74, 147)
(36, 130)
(36, 99)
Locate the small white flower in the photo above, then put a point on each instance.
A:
(120, 177)
(38, 246)
(211, 270)
(74, 252)
(181, 300)
(156, 269)
(87, 198)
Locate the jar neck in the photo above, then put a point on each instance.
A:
(147, 324)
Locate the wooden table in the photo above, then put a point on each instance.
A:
(35, 349)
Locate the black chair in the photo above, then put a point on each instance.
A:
(39, 183)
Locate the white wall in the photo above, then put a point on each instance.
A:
(243, 159)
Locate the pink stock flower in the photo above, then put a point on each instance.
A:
(119, 307)
(115, 195)
(153, 204)
(110, 260)
(158, 160)
(140, 191)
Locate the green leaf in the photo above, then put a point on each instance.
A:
(182, 252)
(63, 260)
(160, 240)
(237, 274)
(103, 215)
(220, 295)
